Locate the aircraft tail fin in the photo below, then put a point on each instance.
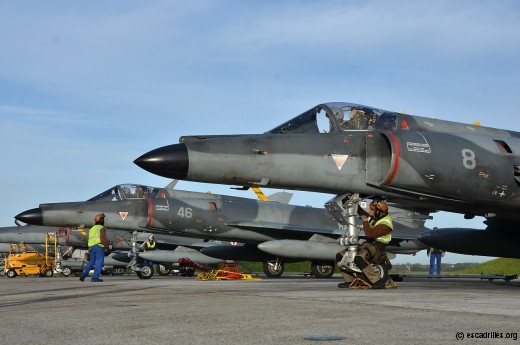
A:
(172, 184)
(281, 197)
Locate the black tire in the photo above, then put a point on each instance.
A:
(76, 273)
(11, 273)
(66, 271)
(47, 273)
(322, 270)
(163, 270)
(146, 272)
(270, 271)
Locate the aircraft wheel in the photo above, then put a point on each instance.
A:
(47, 273)
(270, 269)
(66, 271)
(11, 273)
(146, 273)
(383, 271)
(322, 270)
(163, 270)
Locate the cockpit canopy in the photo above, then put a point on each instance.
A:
(336, 117)
(127, 192)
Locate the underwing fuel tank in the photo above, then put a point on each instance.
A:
(173, 256)
(474, 242)
(309, 250)
(316, 250)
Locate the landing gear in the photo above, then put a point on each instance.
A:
(142, 271)
(145, 272)
(274, 268)
(163, 270)
(383, 271)
(344, 209)
(66, 271)
(322, 270)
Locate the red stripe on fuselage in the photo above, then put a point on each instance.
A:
(150, 212)
(396, 157)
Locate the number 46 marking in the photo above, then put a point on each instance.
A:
(185, 212)
(468, 159)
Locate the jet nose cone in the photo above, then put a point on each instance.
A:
(33, 217)
(168, 161)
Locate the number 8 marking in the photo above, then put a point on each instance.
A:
(468, 159)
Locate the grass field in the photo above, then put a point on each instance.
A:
(497, 266)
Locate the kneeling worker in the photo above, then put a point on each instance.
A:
(97, 244)
(378, 231)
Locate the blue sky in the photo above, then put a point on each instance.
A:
(85, 88)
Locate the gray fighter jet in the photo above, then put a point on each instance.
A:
(70, 239)
(272, 232)
(349, 148)
(30, 237)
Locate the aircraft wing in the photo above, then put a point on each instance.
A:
(292, 231)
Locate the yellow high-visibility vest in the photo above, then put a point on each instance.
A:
(149, 246)
(386, 220)
(94, 236)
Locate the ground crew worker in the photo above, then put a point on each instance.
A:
(435, 257)
(378, 227)
(97, 244)
(149, 245)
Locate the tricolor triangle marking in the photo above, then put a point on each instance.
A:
(123, 215)
(339, 160)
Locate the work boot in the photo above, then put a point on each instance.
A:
(344, 285)
(81, 278)
(96, 280)
(380, 284)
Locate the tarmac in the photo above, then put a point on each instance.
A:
(290, 310)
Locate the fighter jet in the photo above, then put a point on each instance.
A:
(21, 238)
(272, 232)
(69, 240)
(342, 148)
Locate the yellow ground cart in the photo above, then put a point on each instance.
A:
(21, 262)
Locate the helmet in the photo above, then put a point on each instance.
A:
(379, 205)
(99, 216)
(356, 113)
